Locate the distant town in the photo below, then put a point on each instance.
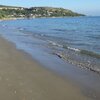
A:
(35, 12)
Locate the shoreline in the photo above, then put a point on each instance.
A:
(22, 78)
(5, 19)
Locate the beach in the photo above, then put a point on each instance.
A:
(22, 78)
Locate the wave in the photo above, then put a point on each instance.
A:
(85, 52)
(63, 46)
(83, 62)
(74, 49)
(78, 63)
(54, 43)
(90, 53)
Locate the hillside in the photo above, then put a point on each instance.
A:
(35, 12)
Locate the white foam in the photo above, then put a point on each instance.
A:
(54, 43)
(74, 49)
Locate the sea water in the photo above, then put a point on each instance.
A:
(75, 40)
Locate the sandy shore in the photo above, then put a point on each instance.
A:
(22, 78)
(5, 19)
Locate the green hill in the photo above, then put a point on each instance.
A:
(35, 12)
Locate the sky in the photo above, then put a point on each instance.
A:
(88, 7)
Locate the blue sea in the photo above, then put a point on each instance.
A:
(75, 40)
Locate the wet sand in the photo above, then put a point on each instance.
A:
(22, 78)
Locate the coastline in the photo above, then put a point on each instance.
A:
(5, 19)
(22, 78)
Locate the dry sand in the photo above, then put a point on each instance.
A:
(22, 78)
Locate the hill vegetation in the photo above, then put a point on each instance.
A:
(34, 12)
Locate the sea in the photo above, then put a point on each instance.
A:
(73, 40)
